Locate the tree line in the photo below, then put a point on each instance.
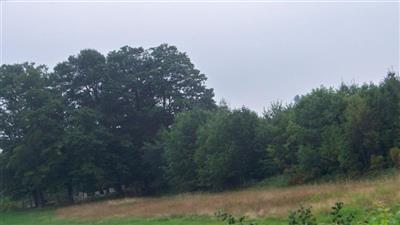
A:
(141, 121)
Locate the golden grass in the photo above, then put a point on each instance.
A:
(253, 202)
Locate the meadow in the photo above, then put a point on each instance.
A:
(264, 204)
(101, 125)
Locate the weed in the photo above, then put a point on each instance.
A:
(338, 217)
(303, 216)
(230, 219)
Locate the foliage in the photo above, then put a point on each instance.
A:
(338, 218)
(89, 120)
(302, 216)
(228, 153)
(230, 219)
(142, 121)
(180, 147)
(7, 204)
(394, 154)
(377, 162)
(383, 215)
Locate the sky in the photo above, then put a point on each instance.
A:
(252, 53)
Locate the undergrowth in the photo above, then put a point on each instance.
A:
(380, 215)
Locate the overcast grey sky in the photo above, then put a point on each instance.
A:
(252, 53)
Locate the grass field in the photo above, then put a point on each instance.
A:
(48, 217)
(264, 204)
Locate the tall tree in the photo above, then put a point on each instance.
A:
(180, 147)
(31, 128)
(179, 86)
(227, 153)
(319, 116)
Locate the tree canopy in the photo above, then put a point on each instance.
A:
(142, 121)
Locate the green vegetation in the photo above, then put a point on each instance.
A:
(339, 215)
(47, 217)
(89, 120)
(381, 215)
(142, 122)
(367, 198)
(327, 133)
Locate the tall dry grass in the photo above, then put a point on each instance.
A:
(253, 202)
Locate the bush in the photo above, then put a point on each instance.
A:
(338, 217)
(383, 215)
(230, 219)
(303, 216)
(394, 154)
(7, 203)
(377, 162)
(228, 154)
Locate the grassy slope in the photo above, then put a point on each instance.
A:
(263, 203)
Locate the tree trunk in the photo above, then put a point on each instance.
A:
(38, 198)
(35, 198)
(41, 199)
(70, 193)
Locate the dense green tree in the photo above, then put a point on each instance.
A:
(153, 164)
(319, 116)
(372, 124)
(144, 91)
(130, 95)
(180, 147)
(179, 86)
(389, 111)
(143, 121)
(227, 153)
(363, 126)
(282, 147)
(81, 80)
(32, 131)
(85, 153)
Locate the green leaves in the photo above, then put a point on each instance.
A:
(338, 217)
(228, 153)
(302, 216)
(97, 120)
(180, 145)
(382, 215)
(230, 219)
(32, 129)
(90, 118)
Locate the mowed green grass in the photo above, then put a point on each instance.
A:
(48, 217)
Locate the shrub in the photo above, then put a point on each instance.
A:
(7, 203)
(377, 162)
(302, 216)
(394, 154)
(338, 217)
(383, 215)
(230, 219)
